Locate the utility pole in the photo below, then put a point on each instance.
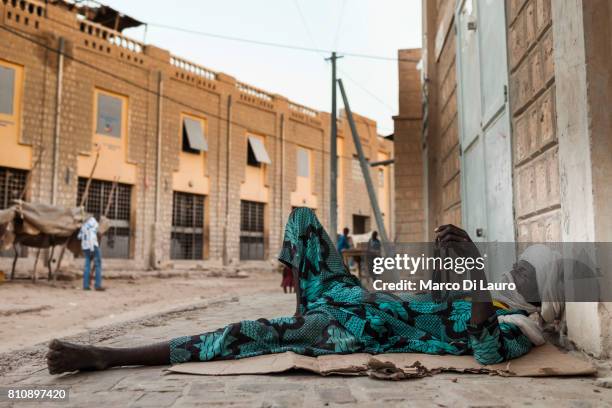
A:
(333, 159)
(365, 168)
(58, 118)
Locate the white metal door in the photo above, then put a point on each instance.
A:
(486, 163)
(472, 160)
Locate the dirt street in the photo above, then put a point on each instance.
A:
(31, 314)
(154, 387)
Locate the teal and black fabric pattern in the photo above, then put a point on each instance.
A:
(336, 315)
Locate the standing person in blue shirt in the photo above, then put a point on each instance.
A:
(89, 243)
(344, 241)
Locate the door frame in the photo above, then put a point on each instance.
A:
(460, 110)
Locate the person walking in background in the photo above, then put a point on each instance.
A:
(89, 243)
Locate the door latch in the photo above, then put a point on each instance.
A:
(479, 232)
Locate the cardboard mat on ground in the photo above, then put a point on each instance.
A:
(543, 361)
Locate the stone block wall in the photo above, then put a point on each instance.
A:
(532, 101)
(409, 182)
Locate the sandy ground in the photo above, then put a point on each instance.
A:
(31, 314)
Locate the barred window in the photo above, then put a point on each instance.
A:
(251, 230)
(12, 183)
(116, 242)
(187, 237)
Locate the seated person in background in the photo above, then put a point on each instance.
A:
(345, 242)
(374, 242)
(373, 251)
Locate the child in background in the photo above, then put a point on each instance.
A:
(287, 282)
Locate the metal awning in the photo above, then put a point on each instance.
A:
(195, 134)
(259, 150)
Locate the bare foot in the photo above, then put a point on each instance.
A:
(65, 357)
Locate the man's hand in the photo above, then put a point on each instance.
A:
(453, 237)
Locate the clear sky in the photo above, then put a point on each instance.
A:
(376, 27)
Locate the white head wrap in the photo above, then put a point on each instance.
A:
(549, 275)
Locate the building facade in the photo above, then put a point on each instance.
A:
(516, 137)
(192, 166)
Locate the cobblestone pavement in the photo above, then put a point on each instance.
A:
(152, 387)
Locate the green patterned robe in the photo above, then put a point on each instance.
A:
(337, 315)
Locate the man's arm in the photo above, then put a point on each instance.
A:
(454, 237)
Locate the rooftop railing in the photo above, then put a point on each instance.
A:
(254, 92)
(193, 68)
(303, 110)
(112, 36)
(29, 6)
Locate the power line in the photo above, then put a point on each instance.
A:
(314, 49)
(367, 91)
(279, 45)
(363, 88)
(339, 23)
(141, 87)
(308, 32)
(273, 44)
(353, 81)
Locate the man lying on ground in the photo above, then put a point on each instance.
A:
(334, 315)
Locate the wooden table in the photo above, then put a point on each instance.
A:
(360, 255)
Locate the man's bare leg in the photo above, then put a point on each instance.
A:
(66, 357)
